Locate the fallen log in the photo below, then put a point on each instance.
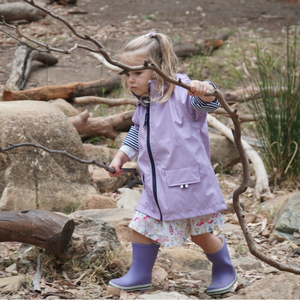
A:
(48, 230)
(22, 64)
(65, 91)
(205, 47)
(107, 101)
(20, 11)
(262, 181)
(108, 127)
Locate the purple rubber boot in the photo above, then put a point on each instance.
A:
(138, 278)
(223, 273)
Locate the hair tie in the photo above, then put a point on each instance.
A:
(152, 33)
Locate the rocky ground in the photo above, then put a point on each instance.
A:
(112, 22)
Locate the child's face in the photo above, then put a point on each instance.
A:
(137, 81)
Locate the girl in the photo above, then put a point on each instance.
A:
(181, 196)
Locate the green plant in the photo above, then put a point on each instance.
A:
(278, 110)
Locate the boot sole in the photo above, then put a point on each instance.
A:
(140, 288)
(222, 290)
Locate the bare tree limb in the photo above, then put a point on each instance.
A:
(65, 153)
(107, 101)
(243, 187)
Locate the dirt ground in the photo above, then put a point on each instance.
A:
(113, 22)
(185, 21)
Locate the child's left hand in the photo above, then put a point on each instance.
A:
(199, 88)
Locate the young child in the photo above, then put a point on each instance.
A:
(181, 196)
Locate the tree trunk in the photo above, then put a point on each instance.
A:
(65, 91)
(22, 65)
(105, 126)
(48, 230)
(20, 11)
(107, 101)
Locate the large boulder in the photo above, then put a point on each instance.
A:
(31, 178)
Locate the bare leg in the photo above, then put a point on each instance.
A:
(140, 239)
(208, 242)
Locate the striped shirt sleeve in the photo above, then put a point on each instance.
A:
(205, 107)
(130, 145)
(132, 138)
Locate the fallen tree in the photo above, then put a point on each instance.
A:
(48, 230)
(22, 64)
(106, 126)
(20, 11)
(65, 91)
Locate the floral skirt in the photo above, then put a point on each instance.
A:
(174, 233)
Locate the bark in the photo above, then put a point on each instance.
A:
(108, 127)
(107, 101)
(22, 65)
(66, 91)
(41, 228)
(20, 11)
(243, 118)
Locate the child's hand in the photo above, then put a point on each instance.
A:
(117, 163)
(199, 88)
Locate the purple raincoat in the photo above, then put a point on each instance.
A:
(174, 159)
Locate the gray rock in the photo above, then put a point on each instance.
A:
(283, 286)
(91, 240)
(222, 151)
(10, 285)
(287, 219)
(246, 263)
(105, 215)
(31, 178)
(185, 260)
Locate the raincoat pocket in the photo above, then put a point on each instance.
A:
(183, 177)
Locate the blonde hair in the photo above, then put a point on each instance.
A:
(156, 48)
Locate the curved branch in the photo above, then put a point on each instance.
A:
(242, 188)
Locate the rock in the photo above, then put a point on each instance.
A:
(159, 274)
(163, 296)
(101, 154)
(222, 151)
(105, 215)
(128, 198)
(31, 178)
(91, 240)
(124, 233)
(282, 286)
(120, 138)
(9, 285)
(287, 220)
(105, 183)
(185, 260)
(98, 202)
(246, 263)
(68, 109)
(250, 218)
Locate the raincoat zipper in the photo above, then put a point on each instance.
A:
(154, 186)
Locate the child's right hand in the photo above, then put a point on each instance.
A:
(117, 164)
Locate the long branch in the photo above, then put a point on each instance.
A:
(64, 152)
